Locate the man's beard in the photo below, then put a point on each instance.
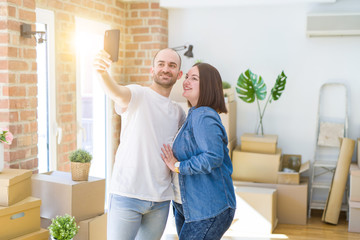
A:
(167, 84)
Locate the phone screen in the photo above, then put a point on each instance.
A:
(111, 43)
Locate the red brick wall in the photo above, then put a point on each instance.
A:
(147, 27)
(18, 80)
(143, 27)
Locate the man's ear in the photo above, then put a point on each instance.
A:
(179, 75)
(152, 70)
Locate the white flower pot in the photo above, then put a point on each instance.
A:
(52, 238)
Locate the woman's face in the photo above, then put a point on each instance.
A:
(191, 86)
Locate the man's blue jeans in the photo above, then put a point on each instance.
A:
(208, 229)
(130, 218)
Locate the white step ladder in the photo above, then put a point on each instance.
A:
(332, 123)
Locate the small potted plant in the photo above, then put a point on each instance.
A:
(63, 228)
(80, 164)
(228, 92)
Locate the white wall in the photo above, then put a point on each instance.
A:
(269, 39)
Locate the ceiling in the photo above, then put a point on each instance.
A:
(221, 3)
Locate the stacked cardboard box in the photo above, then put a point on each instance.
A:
(291, 205)
(354, 199)
(42, 234)
(93, 228)
(358, 152)
(292, 162)
(256, 210)
(354, 196)
(257, 159)
(229, 122)
(258, 162)
(19, 212)
(85, 200)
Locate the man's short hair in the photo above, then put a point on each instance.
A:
(165, 49)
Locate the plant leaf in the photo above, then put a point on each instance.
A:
(251, 86)
(279, 86)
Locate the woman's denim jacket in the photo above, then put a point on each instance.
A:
(205, 167)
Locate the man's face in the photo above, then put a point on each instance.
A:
(166, 69)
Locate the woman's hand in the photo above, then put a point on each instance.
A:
(168, 157)
(102, 62)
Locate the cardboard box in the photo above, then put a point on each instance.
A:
(93, 229)
(291, 200)
(255, 210)
(354, 183)
(334, 201)
(354, 217)
(20, 219)
(42, 234)
(230, 92)
(259, 144)
(358, 152)
(291, 162)
(15, 185)
(231, 146)
(229, 120)
(255, 167)
(61, 195)
(45, 222)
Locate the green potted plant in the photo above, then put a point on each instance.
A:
(251, 87)
(228, 92)
(80, 164)
(63, 228)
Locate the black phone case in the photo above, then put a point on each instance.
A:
(111, 43)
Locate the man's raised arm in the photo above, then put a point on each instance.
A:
(118, 93)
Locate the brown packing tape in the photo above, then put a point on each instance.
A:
(333, 203)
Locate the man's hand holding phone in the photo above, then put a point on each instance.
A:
(102, 62)
(110, 53)
(111, 43)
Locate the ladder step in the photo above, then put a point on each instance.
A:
(325, 185)
(321, 205)
(317, 205)
(322, 163)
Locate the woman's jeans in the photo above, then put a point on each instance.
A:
(208, 229)
(130, 218)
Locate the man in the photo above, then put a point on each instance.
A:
(140, 189)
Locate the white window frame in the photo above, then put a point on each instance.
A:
(47, 17)
(96, 27)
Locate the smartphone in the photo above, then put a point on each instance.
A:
(111, 43)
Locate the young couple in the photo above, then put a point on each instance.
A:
(156, 137)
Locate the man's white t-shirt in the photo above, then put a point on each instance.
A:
(149, 121)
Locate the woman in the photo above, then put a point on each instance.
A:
(205, 207)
